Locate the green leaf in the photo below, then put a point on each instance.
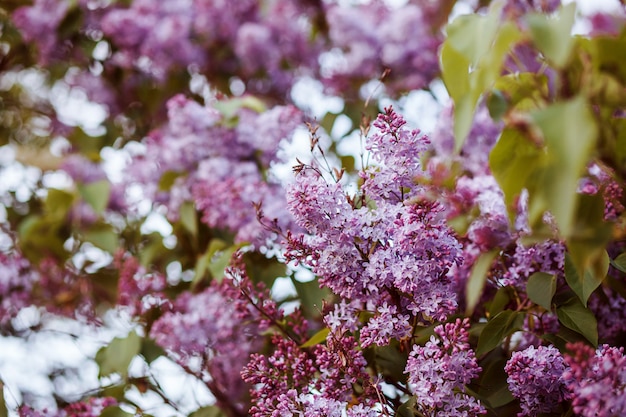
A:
(317, 338)
(96, 194)
(513, 161)
(553, 34)
(477, 279)
(58, 203)
(189, 218)
(117, 355)
(115, 411)
(570, 133)
(575, 316)
(594, 268)
(499, 327)
(209, 411)
(407, 409)
(620, 262)
(150, 350)
(499, 301)
(103, 236)
(214, 260)
(541, 288)
(455, 71)
(311, 296)
(4, 412)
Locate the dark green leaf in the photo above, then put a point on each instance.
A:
(58, 203)
(594, 270)
(117, 355)
(150, 350)
(541, 288)
(4, 412)
(620, 262)
(575, 316)
(499, 327)
(209, 411)
(499, 301)
(407, 409)
(96, 194)
(477, 279)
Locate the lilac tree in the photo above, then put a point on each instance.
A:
(478, 269)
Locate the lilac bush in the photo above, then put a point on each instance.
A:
(478, 269)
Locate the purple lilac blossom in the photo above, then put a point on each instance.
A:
(367, 254)
(474, 154)
(439, 371)
(535, 377)
(609, 307)
(372, 39)
(220, 167)
(597, 380)
(38, 24)
(210, 327)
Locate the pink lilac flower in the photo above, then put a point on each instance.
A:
(439, 371)
(139, 291)
(597, 380)
(535, 377)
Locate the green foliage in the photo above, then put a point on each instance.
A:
(115, 357)
(497, 329)
(541, 288)
(210, 411)
(552, 34)
(471, 60)
(575, 316)
(478, 277)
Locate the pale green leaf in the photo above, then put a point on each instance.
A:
(570, 133)
(553, 34)
(117, 355)
(96, 194)
(477, 279)
(317, 338)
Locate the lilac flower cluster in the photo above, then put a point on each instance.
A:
(438, 372)
(139, 291)
(388, 246)
(597, 380)
(372, 38)
(535, 377)
(212, 337)
(218, 165)
(266, 43)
